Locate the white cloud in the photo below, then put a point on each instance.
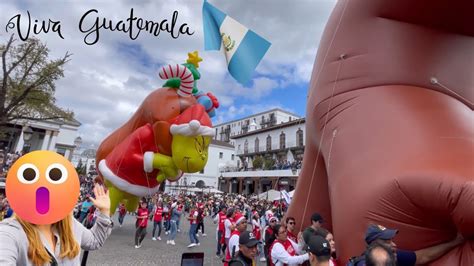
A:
(105, 82)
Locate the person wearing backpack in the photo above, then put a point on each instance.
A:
(382, 235)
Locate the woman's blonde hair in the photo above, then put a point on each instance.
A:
(37, 252)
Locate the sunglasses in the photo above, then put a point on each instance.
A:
(291, 223)
(273, 221)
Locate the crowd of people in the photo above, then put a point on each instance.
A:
(7, 160)
(250, 230)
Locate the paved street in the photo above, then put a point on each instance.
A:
(119, 248)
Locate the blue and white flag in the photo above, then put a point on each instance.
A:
(286, 196)
(242, 47)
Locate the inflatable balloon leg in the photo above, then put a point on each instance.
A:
(389, 126)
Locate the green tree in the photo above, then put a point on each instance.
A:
(257, 162)
(269, 163)
(27, 83)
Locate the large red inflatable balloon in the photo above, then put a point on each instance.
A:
(390, 126)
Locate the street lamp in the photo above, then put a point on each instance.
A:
(77, 142)
(27, 134)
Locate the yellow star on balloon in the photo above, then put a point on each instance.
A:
(193, 58)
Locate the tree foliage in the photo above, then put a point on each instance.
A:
(27, 83)
(257, 162)
(269, 163)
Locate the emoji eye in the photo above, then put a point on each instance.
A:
(28, 173)
(56, 173)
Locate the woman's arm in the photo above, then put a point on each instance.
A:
(8, 247)
(95, 237)
(280, 254)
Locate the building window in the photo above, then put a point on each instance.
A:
(221, 155)
(257, 143)
(246, 147)
(269, 143)
(232, 157)
(299, 137)
(282, 140)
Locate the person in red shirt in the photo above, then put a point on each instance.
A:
(180, 209)
(122, 212)
(141, 224)
(283, 251)
(193, 215)
(200, 219)
(221, 216)
(290, 228)
(157, 218)
(233, 247)
(257, 233)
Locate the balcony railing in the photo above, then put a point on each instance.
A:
(275, 147)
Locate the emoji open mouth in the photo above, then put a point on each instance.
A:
(42, 200)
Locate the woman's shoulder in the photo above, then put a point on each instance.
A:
(11, 228)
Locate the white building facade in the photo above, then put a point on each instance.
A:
(53, 135)
(280, 147)
(270, 118)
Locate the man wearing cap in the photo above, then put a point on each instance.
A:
(240, 227)
(247, 250)
(319, 251)
(382, 235)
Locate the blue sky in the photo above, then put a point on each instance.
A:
(106, 82)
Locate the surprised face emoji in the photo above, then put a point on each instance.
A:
(42, 187)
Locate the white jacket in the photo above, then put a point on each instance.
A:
(280, 256)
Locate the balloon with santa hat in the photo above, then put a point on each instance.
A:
(136, 165)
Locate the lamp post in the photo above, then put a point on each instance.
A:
(77, 142)
(75, 154)
(219, 185)
(27, 135)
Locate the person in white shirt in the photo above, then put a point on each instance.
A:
(240, 226)
(229, 225)
(283, 251)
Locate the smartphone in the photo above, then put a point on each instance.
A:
(192, 259)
